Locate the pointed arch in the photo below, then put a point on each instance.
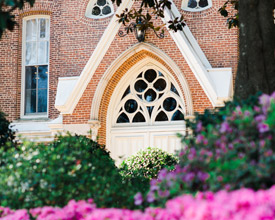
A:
(140, 52)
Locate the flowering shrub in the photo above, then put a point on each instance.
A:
(242, 204)
(147, 163)
(68, 168)
(235, 151)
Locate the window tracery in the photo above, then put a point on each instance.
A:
(99, 9)
(196, 5)
(151, 98)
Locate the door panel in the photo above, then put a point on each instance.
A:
(124, 143)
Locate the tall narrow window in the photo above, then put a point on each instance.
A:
(36, 65)
(196, 5)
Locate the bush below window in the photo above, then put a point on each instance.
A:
(68, 168)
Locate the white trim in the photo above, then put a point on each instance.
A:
(149, 131)
(133, 72)
(184, 6)
(90, 7)
(94, 61)
(22, 104)
(123, 57)
(185, 41)
(190, 53)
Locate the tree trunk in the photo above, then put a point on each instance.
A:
(256, 67)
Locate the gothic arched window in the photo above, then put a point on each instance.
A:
(99, 9)
(149, 99)
(196, 5)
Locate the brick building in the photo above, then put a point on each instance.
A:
(65, 68)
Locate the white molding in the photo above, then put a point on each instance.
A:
(94, 61)
(184, 6)
(123, 57)
(190, 53)
(133, 72)
(22, 104)
(185, 41)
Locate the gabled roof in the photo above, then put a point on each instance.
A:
(216, 82)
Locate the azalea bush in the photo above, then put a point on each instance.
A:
(242, 204)
(147, 163)
(230, 149)
(71, 167)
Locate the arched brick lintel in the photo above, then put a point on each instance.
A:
(116, 77)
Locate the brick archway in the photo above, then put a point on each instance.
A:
(116, 77)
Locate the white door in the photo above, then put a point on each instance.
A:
(147, 112)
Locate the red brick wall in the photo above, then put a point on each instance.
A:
(74, 38)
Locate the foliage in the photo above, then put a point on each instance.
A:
(235, 151)
(246, 203)
(230, 9)
(147, 163)
(68, 168)
(6, 134)
(7, 7)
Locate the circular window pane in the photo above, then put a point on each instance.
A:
(203, 3)
(106, 10)
(101, 2)
(131, 106)
(160, 85)
(140, 86)
(150, 95)
(96, 11)
(150, 75)
(169, 104)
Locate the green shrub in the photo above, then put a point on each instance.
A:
(147, 163)
(6, 134)
(68, 168)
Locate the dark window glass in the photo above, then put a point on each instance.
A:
(192, 4)
(42, 100)
(43, 77)
(140, 86)
(140, 75)
(30, 106)
(160, 74)
(106, 10)
(96, 11)
(127, 91)
(139, 118)
(177, 116)
(169, 104)
(150, 95)
(150, 75)
(174, 90)
(161, 117)
(101, 2)
(203, 3)
(30, 77)
(140, 96)
(150, 110)
(160, 85)
(123, 118)
(131, 106)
